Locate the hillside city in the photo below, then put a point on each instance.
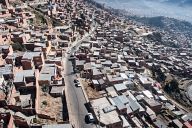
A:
(79, 64)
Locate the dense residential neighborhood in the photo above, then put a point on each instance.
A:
(77, 64)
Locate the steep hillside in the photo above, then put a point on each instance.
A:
(177, 29)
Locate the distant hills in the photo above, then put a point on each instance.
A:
(165, 23)
(179, 30)
(179, 2)
(178, 9)
(169, 16)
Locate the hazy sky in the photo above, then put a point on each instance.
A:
(179, 9)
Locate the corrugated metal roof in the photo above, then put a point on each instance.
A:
(120, 87)
(123, 99)
(118, 103)
(45, 77)
(134, 105)
(56, 89)
(7, 69)
(109, 108)
(19, 77)
(30, 55)
(28, 72)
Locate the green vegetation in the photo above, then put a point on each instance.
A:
(40, 18)
(36, 120)
(172, 86)
(44, 102)
(45, 88)
(18, 47)
(158, 74)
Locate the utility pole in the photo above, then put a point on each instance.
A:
(99, 115)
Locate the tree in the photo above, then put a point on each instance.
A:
(172, 86)
(82, 16)
(44, 102)
(161, 76)
(45, 88)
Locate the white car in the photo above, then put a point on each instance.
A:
(90, 117)
(68, 52)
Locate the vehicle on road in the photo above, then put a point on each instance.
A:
(90, 117)
(71, 57)
(77, 83)
(68, 52)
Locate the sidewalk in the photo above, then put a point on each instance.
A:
(83, 89)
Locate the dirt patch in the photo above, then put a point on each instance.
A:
(91, 92)
(51, 107)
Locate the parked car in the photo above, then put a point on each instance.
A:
(90, 117)
(77, 83)
(72, 57)
(68, 52)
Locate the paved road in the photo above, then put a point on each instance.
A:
(75, 98)
(74, 95)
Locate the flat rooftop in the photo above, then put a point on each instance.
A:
(110, 117)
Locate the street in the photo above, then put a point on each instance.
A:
(75, 98)
(74, 95)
